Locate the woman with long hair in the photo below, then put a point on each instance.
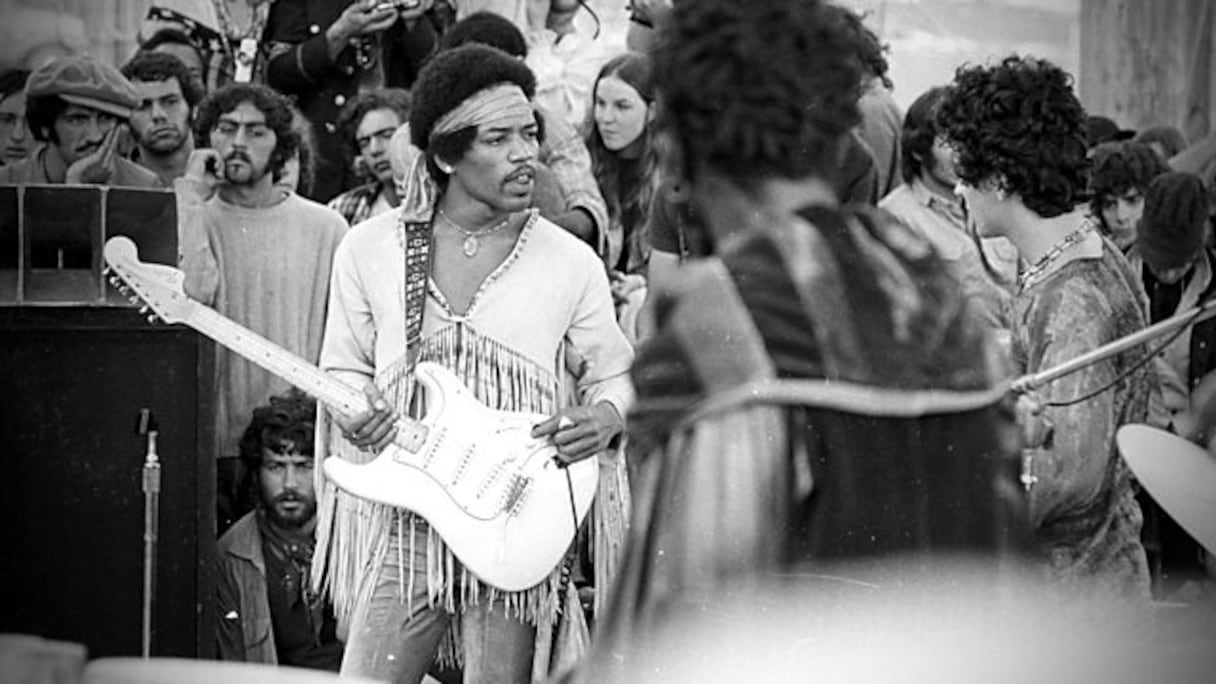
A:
(625, 165)
(622, 157)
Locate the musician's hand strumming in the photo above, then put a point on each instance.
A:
(581, 432)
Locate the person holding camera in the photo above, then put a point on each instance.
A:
(324, 52)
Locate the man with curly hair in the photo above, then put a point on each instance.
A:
(161, 124)
(520, 310)
(821, 361)
(880, 115)
(253, 250)
(1018, 131)
(368, 123)
(1120, 178)
(267, 610)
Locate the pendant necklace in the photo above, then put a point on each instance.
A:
(472, 239)
(1039, 266)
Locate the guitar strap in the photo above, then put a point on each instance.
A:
(417, 270)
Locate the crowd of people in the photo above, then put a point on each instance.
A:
(780, 312)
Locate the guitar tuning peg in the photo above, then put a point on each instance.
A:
(143, 309)
(151, 318)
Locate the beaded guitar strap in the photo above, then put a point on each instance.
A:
(417, 250)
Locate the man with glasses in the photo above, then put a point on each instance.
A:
(79, 107)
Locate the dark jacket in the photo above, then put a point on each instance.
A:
(244, 631)
(300, 66)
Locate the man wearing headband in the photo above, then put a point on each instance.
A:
(819, 399)
(519, 309)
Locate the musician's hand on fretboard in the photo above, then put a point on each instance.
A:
(373, 429)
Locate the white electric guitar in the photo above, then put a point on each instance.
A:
(493, 492)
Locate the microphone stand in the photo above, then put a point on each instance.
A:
(151, 489)
(1032, 381)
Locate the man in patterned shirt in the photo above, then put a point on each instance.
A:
(1024, 176)
(369, 121)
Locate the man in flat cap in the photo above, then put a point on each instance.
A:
(79, 106)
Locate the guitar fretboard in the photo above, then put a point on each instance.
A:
(261, 351)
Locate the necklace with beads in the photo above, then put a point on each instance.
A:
(1057, 250)
(472, 238)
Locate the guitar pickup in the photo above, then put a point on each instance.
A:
(517, 493)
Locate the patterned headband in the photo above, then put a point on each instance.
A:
(498, 103)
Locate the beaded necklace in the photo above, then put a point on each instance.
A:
(241, 44)
(1057, 250)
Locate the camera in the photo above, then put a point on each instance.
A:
(399, 5)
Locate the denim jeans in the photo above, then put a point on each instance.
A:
(390, 643)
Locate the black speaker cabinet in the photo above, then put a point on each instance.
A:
(73, 381)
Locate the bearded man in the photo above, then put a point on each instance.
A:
(250, 248)
(267, 613)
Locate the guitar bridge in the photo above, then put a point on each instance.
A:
(516, 494)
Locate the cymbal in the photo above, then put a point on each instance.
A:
(1180, 476)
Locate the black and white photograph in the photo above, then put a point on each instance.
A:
(607, 341)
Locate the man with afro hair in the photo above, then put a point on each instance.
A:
(758, 457)
(520, 310)
(1019, 134)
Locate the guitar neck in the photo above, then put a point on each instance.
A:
(277, 360)
(294, 369)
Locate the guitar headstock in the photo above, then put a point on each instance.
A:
(159, 286)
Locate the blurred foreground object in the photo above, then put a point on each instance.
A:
(26, 659)
(185, 671)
